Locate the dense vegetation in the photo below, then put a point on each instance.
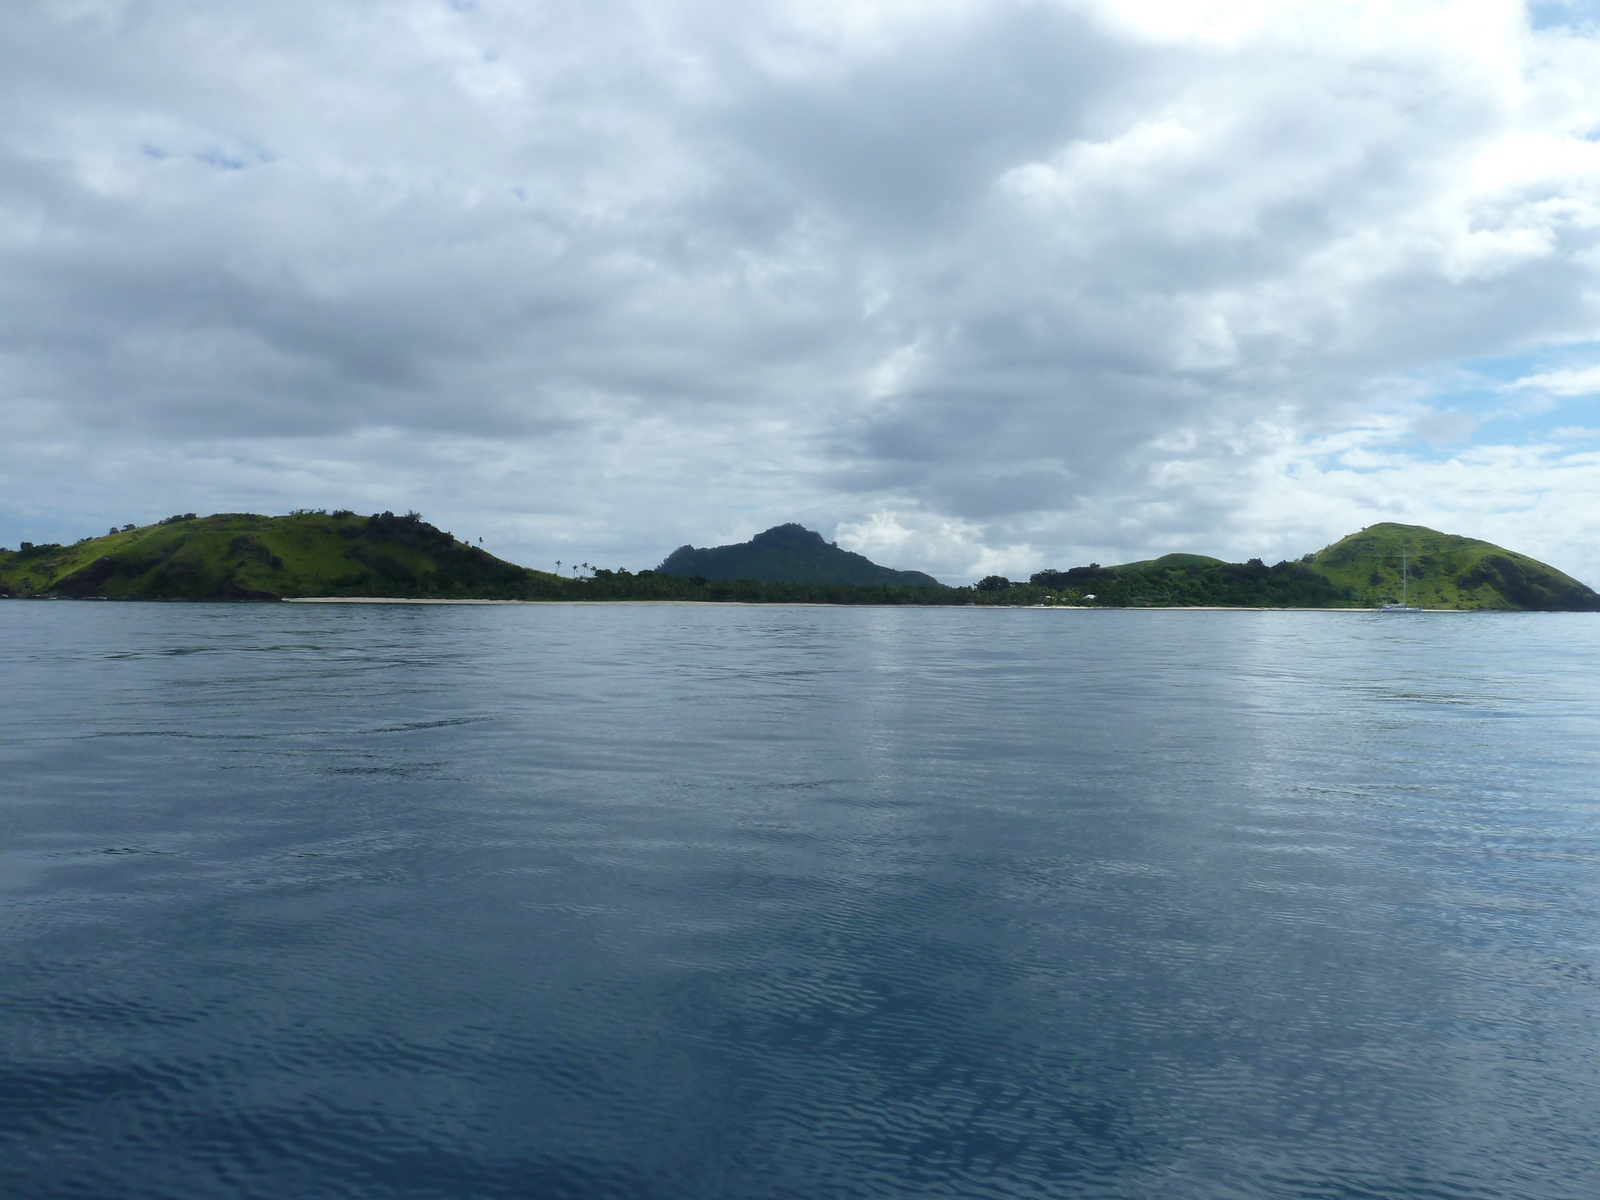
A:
(788, 554)
(1250, 584)
(241, 556)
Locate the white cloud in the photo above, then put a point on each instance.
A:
(954, 550)
(1018, 284)
(1579, 381)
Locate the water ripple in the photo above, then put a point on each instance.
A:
(723, 903)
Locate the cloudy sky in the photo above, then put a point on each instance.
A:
(971, 287)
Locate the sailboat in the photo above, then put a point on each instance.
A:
(1405, 604)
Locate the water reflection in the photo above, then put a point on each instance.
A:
(690, 902)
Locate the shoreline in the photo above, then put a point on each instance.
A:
(821, 604)
(1246, 608)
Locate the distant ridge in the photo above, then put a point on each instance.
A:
(312, 553)
(788, 554)
(1168, 561)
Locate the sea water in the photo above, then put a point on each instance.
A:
(659, 901)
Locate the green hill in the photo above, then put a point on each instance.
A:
(241, 556)
(1446, 571)
(788, 554)
(1169, 561)
(1360, 571)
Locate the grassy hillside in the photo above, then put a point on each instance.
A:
(241, 556)
(788, 554)
(1360, 571)
(1446, 571)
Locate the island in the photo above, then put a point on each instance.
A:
(312, 553)
(788, 554)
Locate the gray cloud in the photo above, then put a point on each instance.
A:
(989, 284)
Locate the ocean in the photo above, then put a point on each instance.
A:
(673, 902)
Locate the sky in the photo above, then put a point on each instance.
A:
(969, 287)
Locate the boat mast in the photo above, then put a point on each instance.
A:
(1405, 592)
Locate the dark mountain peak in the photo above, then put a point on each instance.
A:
(788, 553)
(788, 534)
